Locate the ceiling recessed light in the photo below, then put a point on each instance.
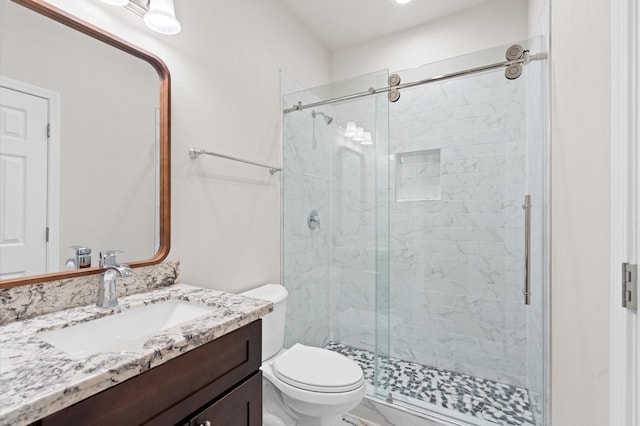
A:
(401, 3)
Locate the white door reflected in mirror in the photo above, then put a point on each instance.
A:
(23, 184)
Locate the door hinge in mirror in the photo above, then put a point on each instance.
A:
(629, 286)
(48, 130)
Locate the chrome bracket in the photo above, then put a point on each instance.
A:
(394, 94)
(629, 286)
(195, 153)
(519, 54)
(139, 7)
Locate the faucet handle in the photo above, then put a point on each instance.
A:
(82, 258)
(108, 257)
(81, 250)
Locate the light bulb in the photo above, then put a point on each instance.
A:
(116, 2)
(367, 139)
(359, 136)
(161, 17)
(350, 131)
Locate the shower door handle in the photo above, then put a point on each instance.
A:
(527, 249)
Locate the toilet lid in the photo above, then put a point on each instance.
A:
(318, 370)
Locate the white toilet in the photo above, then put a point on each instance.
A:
(303, 385)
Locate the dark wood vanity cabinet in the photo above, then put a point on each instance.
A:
(218, 383)
(234, 408)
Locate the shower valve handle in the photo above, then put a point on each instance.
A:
(313, 220)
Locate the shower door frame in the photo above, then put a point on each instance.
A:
(545, 316)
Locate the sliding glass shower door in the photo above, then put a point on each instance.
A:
(405, 236)
(335, 221)
(464, 154)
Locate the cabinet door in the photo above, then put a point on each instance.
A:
(174, 390)
(240, 407)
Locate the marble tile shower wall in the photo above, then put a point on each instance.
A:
(306, 252)
(456, 262)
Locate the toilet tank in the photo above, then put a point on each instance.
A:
(272, 323)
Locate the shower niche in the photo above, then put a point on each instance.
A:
(418, 175)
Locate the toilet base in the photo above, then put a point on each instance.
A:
(320, 421)
(274, 411)
(277, 413)
(311, 414)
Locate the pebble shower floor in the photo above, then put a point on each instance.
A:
(490, 401)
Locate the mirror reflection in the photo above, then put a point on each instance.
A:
(79, 147)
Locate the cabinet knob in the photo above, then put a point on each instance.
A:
(206, 423)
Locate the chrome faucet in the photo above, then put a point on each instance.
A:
(108, 292)
(82, 258)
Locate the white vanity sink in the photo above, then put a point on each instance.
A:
(106, 333)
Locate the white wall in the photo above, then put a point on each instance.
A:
(538, 17)
(580, 159)
(225, 97)
(492, 24)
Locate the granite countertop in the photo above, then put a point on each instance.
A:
(36, 379)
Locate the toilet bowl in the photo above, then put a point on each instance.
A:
(315, 386)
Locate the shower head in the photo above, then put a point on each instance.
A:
(327, 118)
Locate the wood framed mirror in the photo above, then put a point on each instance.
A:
(90, 192)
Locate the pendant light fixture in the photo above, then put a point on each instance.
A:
(161, 17)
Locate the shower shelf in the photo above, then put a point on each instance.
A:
(196, 152)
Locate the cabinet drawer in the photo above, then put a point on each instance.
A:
(168, 393)
(240, 407)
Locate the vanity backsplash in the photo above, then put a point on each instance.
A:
(19, 303)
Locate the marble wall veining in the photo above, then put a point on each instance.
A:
(20, 303)
(456, 263)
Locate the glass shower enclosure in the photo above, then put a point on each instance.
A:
(405, 240)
